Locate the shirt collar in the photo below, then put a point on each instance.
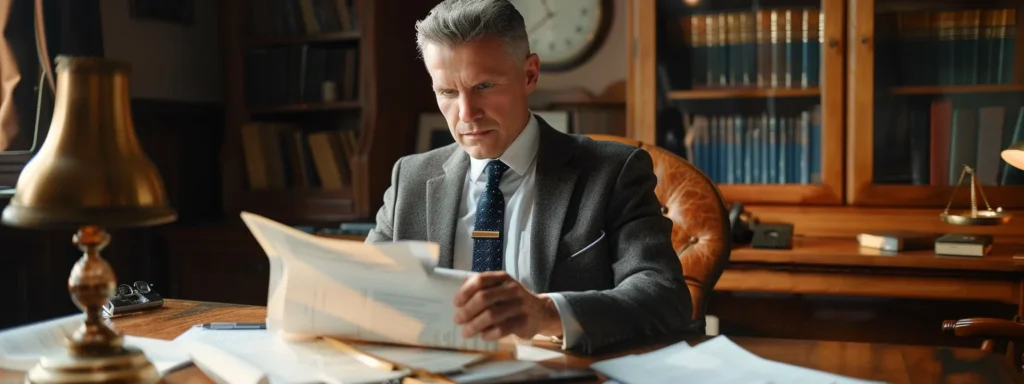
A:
(518, 156)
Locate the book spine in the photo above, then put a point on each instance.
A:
(764, 49)
(699, 48)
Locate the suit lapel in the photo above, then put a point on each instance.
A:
(555, 181)
(444, 193)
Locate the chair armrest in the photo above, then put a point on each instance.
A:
(985, 327)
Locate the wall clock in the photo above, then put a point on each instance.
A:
(565, 33)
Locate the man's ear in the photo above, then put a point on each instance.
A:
(531, 67)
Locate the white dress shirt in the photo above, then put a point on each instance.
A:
(520, 192)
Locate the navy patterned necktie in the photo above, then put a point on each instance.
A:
(490, 217)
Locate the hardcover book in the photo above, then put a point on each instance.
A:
(955, 244)
(897, 240)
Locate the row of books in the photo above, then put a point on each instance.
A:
(930, 143)
(301, 74)
(269, 19)
(949, 47)
(283, 155)
(772, 48)
(766, 149)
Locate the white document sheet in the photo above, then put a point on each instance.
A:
(716, 361)
(384, 292)
(259, 357)
(21, 347)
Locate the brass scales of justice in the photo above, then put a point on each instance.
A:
(974, 216)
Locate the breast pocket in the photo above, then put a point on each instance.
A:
(587, 266)
(591, 246)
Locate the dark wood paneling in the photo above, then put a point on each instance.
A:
(183, 139)
(215, 263)
(844, 318)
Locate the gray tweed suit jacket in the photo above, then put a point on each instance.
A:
(625, 286)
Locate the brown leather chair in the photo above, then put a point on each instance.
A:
(701, 232)
(996, 335)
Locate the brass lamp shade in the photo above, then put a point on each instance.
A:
(89, 174)
(90, 170)
(1014, 155)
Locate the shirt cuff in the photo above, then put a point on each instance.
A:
(571, 329)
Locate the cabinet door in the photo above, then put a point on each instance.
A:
(936, 87)
(749, 91)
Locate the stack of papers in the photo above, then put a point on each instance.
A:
(21, 347)
(259, 357)
(390, 293)
(716, 361)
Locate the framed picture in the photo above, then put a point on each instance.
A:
(433, 132)
(171, 11)
(559, 120)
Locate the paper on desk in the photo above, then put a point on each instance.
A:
(384, 292)
(21, 347)
(258, 356)
(716, 361)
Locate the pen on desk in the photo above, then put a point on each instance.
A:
(234, 326)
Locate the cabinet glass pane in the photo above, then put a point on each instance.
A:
(948, 92)
(738, 88)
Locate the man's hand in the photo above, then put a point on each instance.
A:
(496, 305)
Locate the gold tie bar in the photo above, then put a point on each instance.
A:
(486, 234)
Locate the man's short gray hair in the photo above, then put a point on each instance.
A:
(454, 22)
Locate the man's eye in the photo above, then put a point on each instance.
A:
(483, 86)
(447, 92)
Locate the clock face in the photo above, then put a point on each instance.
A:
(564, 32)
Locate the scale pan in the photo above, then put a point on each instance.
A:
(988, 217)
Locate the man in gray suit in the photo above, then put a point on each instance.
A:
(566, 232)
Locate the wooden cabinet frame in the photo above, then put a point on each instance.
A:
(641, 108)
(860, 188)
(847, 98)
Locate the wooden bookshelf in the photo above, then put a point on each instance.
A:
(310, 137)
(894, 82)
(729, 82)
(728, 93)
(964, 107)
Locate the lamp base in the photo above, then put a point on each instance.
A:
(96, 352)
(126, 366)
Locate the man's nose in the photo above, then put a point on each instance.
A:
(468, 110)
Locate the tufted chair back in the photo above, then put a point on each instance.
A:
(700, 230)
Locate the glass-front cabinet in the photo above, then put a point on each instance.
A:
(889, 103)
(936, 92)
(749, 91)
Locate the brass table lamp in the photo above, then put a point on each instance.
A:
(90, 174)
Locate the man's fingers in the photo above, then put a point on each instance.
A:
(512, 325)
(487, 298)
(478, 282)
(493, 315)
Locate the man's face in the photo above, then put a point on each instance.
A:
(482, 92)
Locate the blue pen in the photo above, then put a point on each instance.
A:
(234, 326)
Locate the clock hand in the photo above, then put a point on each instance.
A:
(540, 23)
(546, 8)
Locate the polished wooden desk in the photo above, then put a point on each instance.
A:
(838, 266)
(885, 362)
